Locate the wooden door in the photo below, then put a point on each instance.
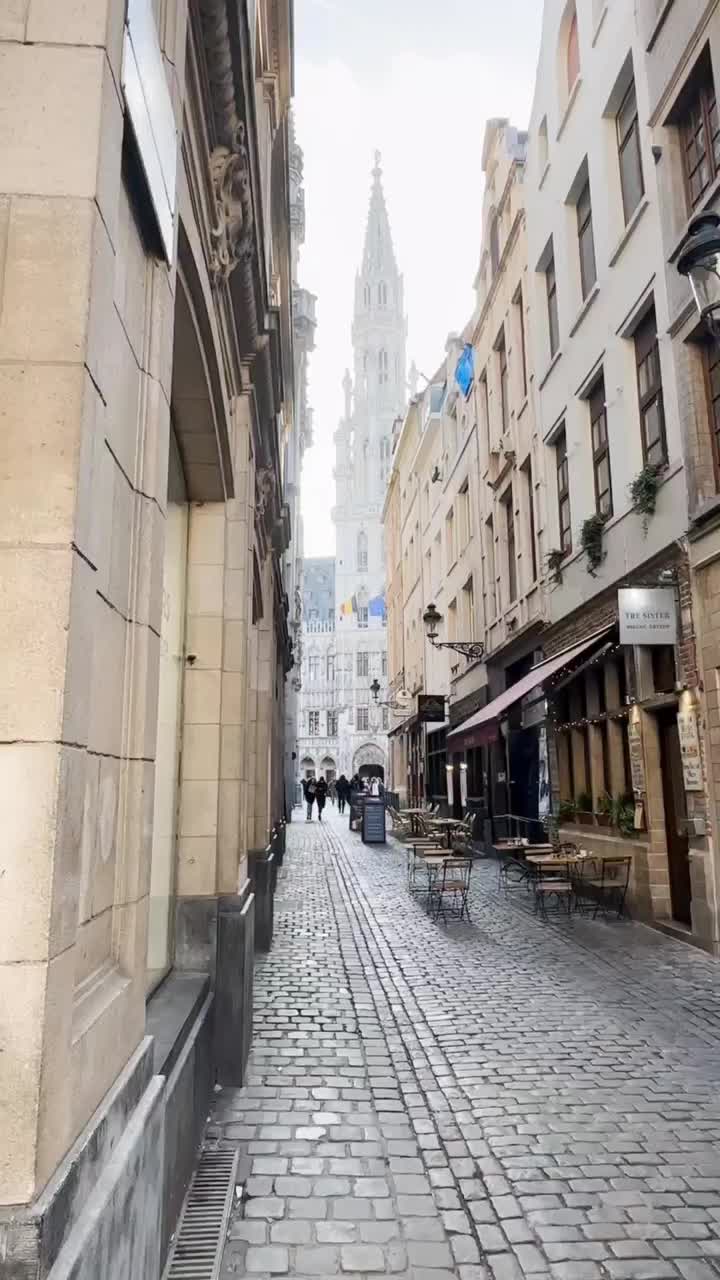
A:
(675, 815)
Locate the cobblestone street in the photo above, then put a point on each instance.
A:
(487, 1101)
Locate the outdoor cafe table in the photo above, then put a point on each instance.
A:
(447, 825)
(414, 815)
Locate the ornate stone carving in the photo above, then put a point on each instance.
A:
(232, 235)
(264, 489)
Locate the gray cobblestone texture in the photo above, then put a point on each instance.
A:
(492, 1100)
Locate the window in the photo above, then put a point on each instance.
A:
(313, 723)
(586, 241)
(383, 366)
(314, 667)
(468, 610)
(362, 719)
(385, 718)
(362, 615)
(543, 145)
(452, 620)
(628, 137)
(600, 449)
(490, 578)
(503, 380)
(507, 501)
(700, 132)
(563, 492)
(363, 664)
(382, 294)
(366, 295)
(331, 668)
(383, 664)
(450, 538)
(712, 364)
(463, 510)
(573, 53)
(518, 303)
(552, 305)
(652, 415)
(362, 552)
(485, 409)
(530, 501)
(494, 244)
(332, 724)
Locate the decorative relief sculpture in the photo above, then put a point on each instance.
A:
(265, 489)
(232, 235)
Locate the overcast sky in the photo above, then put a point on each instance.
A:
(416, 79)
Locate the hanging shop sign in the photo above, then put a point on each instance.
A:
(431, 708)
(464, 370)
(690, 747)
(543, 775)
(534, 708)
(637, 760)
(648, 615)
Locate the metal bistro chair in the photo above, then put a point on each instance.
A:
(609, 889)
(416, 867)
(448, 892)
(553, 882)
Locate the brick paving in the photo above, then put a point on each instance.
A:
(487, 1101)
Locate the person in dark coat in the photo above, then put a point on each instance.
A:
(343, 792)
(321, 791)
(309, 788)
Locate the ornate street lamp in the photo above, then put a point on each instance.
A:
(375, 691)
(472, 650)
(699, 261)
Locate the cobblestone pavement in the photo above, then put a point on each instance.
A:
(490, 1101)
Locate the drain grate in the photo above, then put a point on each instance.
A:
(197, 1250)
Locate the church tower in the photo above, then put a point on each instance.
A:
(375, 395)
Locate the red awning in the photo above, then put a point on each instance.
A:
(482, 727)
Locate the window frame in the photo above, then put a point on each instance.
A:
(586, 236)
(712, 348)
(503, 380)
(700, 96)
(630, 138)
(600, 448)
(653, 396)
(507, 501)
(313, 724)
(552, 305)
(362, 663)
(562, 480)
(365, 712)
(572, 52)
(519, 303)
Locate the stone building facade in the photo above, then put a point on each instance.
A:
(318, 735)
(374, 396)
(146, 354)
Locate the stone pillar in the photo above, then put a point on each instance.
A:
(197, 876)
(85, 351)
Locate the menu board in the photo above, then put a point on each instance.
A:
(690, 748)
(637, 761)
(373, 825)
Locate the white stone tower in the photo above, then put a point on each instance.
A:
(374, 398)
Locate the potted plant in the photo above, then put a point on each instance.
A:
(643, 492)
(603, 813)
(584, 809)
(623, 815)
(566, 811)
(554, 564)
(591, 537)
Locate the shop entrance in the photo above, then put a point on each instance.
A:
(675, 814)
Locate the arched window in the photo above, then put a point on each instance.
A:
(367, 295)
(494, 244)
(383, 366)
(362, 552)
(573, 52)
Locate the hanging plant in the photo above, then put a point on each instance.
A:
(591, 536)
(644, 491)
(554, 564)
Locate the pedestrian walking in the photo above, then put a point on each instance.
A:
(309, 790)
(343, 792)
(321, 792)
(332, 791)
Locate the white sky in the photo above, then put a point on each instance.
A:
(416, 79)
